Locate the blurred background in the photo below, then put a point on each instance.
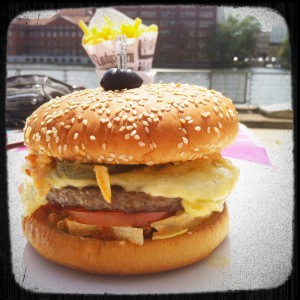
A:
(242, 52)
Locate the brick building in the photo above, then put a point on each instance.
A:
(53, 40)
(183, 30)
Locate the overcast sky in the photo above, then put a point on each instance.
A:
(265, 16)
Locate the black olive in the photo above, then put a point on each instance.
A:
(116, 79)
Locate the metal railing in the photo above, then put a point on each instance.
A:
(242, 86)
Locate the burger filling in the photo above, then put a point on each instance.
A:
(127, 202)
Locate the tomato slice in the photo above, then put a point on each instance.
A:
(115, 218)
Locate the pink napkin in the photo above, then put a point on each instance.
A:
(247, 147)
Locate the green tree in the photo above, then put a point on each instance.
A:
(285, 53)
(233, 37)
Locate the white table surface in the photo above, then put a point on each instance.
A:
(257, 253)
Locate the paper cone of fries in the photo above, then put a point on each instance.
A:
(99, 41)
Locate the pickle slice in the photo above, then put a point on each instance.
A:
(67, 169)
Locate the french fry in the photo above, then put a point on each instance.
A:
(110, 30)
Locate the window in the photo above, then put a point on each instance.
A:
(205, 23)
(168, 13)
(148, 13)
(167, 22)
(188, 13)
(48, 34)
(73, 33)
(54, 34)
(42, 33)
(206, 14)
(188, 24)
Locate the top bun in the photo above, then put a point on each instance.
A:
(153, 124)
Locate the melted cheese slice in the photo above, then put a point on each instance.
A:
(202, 184)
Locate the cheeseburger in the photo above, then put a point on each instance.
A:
(130, 181)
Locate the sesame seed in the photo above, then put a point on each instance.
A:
(133, 133)
(109, 125)
(83, 146)
(137, 137)
(68, 126)
(221, 115)
(59, 149)
(75, 136)
(104, 146)
(103, 120)
(227, 115)
(72, 120)
(85, 122)
(92, 138)
(77, 148)
(182, 120)
(122, 128)
(117, 119)
(129, 127)
(80, 118)
(197, 128)
(109, 159)
(184, 130)
(220, 125)
(180, 145)
(147, 129)
(142, 144)
(205, 114)
(185, 140)
(182, 154)
(208, 129)
(216, 130)
(127, 136)
(131, 119)
(112, 155)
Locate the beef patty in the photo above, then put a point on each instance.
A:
(129, 202)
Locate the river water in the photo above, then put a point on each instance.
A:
(255, 86)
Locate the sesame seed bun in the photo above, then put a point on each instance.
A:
(115, 257)
(153, 124)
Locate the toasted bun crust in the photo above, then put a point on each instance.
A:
(111, 257)
(153, 124)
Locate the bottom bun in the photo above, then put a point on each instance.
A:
(113, 257)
